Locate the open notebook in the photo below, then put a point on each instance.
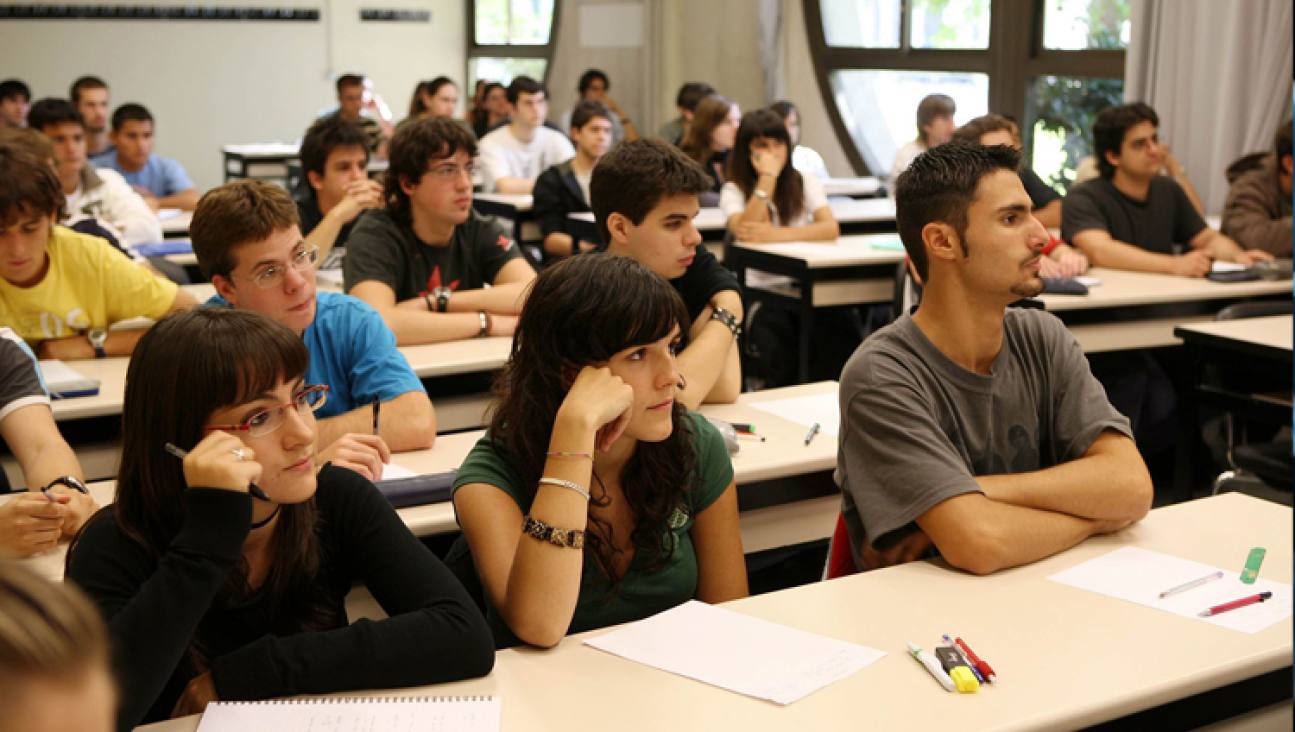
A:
(428, 714)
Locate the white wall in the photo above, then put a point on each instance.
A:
(210, 83)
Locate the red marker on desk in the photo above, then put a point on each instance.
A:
(980, 665)
(1235, 604)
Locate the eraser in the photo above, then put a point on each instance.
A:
(964, 680)
(1253, 563)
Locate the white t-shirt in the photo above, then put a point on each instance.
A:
(583, 180)
(904, 158)
(731, 201)
(809, 162)
(504, 156)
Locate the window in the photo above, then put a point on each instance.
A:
(1052, 64)
(510, 38)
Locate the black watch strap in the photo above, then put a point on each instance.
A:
(71, 481)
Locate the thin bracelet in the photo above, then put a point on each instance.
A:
(567, 484)
(427, 298)
(570, 455)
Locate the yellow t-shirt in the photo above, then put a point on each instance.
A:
(89, 285)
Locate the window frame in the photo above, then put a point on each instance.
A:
(511, 50)
(1015, 55)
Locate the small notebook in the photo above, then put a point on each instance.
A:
(427, 714)
(63, 381)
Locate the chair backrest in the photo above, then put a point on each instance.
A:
(1261, 309)
(840, 558)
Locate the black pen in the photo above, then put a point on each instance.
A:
(377, 410)
(252, 488)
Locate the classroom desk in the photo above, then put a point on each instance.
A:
(1255, 352)
(1067, 658)
(852, 187)
(177, 227)
(853, 270)
(265, 160)
(515, 208)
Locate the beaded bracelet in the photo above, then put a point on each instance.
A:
(570, 455)
(573, 538)
(567, 484)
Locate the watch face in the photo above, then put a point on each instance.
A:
(97, 336)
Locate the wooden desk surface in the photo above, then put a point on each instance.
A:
(1122, 289)
(1267, 333)
(846, 251)
(1066, 658)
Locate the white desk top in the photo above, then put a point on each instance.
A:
(262, 149)
(178, 224)
(851, 186)
(1121, 289)
(712, 219)
(1273, 332)
(521, 202)
(847, 251)
(1066, 658)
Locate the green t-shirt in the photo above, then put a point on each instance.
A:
(641, 593)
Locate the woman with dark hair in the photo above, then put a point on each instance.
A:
(805, 159)
(494, 109)
(210, 594)
(625, 500)
(767, 200)
(435, 98)
(710, 136)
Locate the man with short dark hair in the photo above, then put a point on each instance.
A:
(247, 241)
(355, 97)
(514, 155)
(686, 101)
(337, 188)
(970, 428)
(644, 195)
(593, 87)
(15, 101)
(1257, 213)
(563, 189)
(162, 182)
(89, 94)
(1134, 218)
(934, 127)
(423, 261)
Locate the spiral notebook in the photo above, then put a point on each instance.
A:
(426, 714)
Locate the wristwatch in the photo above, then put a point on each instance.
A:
(728, 319)
(70, 481)
(98, 337)
(485, 323)
(442, 295)
(761, 195)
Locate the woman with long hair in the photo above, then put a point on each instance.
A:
(765, 198)
(210, 593)
(625, 500)
(435, 98)
(804, 159)
(711, 135)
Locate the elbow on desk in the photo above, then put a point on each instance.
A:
(980, 558)
(539, 634)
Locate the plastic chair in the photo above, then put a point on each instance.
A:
(840, 558)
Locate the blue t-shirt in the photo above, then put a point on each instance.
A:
(162, 176)
(354, 353)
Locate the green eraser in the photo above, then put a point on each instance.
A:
(1253, 562)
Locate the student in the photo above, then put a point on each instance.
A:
(435, 98)
(1257, 213)
(422, 261)
(31, 523)
(1132, 217)
(804, 159)
(934, 127)
(89, 95)
(60, 290)
(767, 200)
(628, 499)
(686, 101)
(337, 189)
(1062, 260)
(594, 86)
(645, 196)
(210, 595)
(54, 673)
(99, 194)
(711, 136)
(493, 112)
(246, 239)
(355, 97)
(969, 428)
(515, 155)
(15, 101)
(563, 189)
(475, 108)
(162, 182)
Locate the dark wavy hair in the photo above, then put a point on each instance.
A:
(416, 146)
(582, 311)
(789, 193)
(416, 106)
(185, 368)
(1109, 129)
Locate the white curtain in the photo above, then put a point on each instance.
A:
(1218, 72)
(773, 50)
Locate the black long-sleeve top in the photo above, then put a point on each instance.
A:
(434, 632)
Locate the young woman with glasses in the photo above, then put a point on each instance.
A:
(210, 593)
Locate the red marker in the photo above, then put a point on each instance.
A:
(980, 665)
(1235, 604)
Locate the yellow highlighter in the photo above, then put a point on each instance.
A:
(964, 679)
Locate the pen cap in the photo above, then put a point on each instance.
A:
(1253, 563)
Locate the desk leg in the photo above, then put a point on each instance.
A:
(1188, 411)
(806, 324)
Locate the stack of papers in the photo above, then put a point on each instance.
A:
(63, 381)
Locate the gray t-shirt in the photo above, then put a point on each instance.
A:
(1166, 218)
(916, 428)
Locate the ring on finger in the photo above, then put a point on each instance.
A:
(242, 456)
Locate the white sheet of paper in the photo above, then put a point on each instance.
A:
(1227, 267)
(822, 409)
(166, 214)
(392, 471)
(1138, 575)
(465, 714)
(737, 652)
(1089, 281)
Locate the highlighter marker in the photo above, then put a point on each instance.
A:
(931, 665)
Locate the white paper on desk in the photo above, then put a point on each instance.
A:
(737, 652)
(392, 471)
(1138, 575)
(166, 214)
(823, 410)
(1227, 267)
(1089, 281)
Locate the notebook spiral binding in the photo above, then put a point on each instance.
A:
(363, 700)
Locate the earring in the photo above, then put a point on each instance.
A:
(683, 383)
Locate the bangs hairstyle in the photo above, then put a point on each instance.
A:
(1109, 129)
(940, 186)
(326, 135)
(11, 88)
(709, 114)
(930, 108)
(416, 106)
(234, 214)
(582, 311)
(789, 193)
(50, 112)
(130, 113)
(633, 177)
(28, 184)
(184, 369)
(587, 111)
(413, 150)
